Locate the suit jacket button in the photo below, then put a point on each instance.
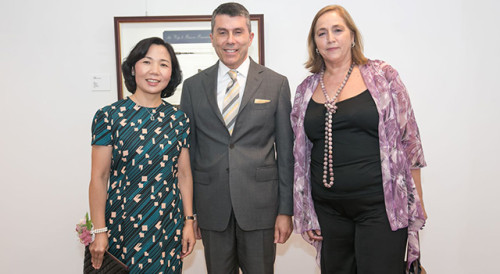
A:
(231, 146)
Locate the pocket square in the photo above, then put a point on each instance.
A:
(261, 101)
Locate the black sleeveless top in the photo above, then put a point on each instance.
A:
(356, 153)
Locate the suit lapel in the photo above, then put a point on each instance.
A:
(253, 82)
(210, 87)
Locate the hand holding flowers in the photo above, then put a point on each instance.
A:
(87, 235)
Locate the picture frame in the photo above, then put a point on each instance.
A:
(188, 35)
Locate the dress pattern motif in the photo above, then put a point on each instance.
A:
(144, 206)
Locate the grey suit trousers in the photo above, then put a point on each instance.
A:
(227, 251)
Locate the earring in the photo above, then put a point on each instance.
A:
(353, 44)
(317, 51)
(133, 72)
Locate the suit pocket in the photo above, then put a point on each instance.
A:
(262, 103)
(267, 173)
(259, 106)
(200, 177)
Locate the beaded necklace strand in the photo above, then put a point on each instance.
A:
(331, 108)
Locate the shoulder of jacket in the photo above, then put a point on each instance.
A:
(379, 65)
(308, 81)
(202, 73)
(266, 70)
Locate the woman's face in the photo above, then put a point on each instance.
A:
(152, 73)
(333, 38)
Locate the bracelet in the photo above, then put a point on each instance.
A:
(190, 218)
(100, 230)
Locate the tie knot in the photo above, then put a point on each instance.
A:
(232, 74)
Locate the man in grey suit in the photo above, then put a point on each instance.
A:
(241, 151)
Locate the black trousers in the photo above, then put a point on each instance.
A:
(229, 250)
(357, 238)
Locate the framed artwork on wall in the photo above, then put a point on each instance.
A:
(188, 35)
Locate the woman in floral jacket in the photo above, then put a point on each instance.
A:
(357, 190)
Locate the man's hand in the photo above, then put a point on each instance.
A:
(197, 231)
(282, 228)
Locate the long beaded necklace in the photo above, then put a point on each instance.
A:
(331, 108)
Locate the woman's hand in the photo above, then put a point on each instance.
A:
(97, 249)
(188, 238)
(423, 209)
(315, 235)
(415, 173)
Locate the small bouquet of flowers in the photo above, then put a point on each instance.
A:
(83, 229)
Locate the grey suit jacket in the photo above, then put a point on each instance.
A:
(250, 172)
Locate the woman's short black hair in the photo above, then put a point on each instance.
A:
(138, 52)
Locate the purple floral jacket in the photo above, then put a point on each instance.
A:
(400, 151)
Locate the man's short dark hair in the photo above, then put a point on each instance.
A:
(232, 9)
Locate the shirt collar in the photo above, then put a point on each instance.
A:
(242, 69)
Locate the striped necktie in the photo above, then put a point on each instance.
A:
(231, 103)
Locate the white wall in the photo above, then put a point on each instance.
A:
(446, 52)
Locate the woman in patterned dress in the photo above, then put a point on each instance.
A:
(140, 145)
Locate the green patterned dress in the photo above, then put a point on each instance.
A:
(144, 206)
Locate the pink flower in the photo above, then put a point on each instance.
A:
(83, 230)
(85, 237)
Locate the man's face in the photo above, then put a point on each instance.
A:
(231, 39)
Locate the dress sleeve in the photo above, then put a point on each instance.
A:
(101, 129)
(186, 130)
